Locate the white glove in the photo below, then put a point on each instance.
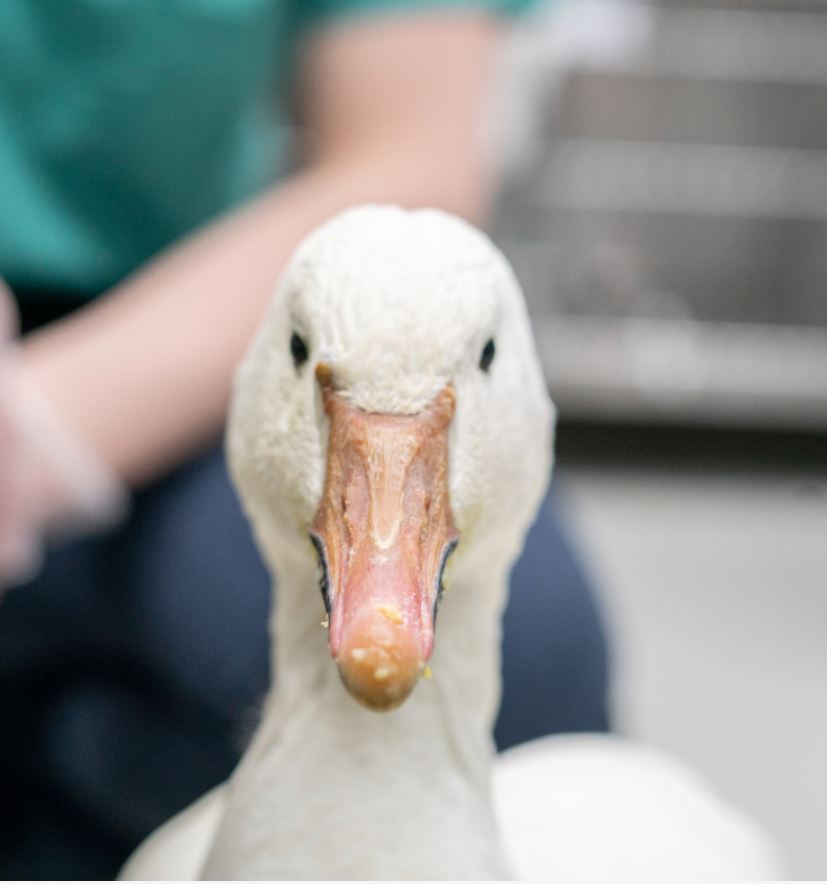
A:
(51, 482)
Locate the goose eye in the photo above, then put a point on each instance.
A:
(487, 355)
(298, 350)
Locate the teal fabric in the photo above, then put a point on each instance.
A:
(312, 11)
(124, 124)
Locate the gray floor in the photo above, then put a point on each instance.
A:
(716, 592)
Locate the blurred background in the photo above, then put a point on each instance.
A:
(665, 206)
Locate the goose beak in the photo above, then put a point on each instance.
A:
(383, 531)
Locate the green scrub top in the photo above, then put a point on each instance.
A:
(124, 124)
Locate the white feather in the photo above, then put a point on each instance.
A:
(399, 303)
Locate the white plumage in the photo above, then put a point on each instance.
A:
(400, 304)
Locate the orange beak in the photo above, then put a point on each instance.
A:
(383, 531)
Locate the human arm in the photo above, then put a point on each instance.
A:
(391, 107)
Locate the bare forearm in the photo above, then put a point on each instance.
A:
(144, 374)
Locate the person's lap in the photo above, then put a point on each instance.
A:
(132, 668)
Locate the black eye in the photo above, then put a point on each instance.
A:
(487, 355)
(298, 349)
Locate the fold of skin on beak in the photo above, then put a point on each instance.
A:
(383, 531)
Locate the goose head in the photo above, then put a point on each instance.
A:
(390, 421)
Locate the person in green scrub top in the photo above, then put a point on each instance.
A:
(159, 160)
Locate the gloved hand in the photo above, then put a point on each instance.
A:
(51, 481)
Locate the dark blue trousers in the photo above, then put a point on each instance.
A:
(132, 668)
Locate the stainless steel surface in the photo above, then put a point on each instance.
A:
(720, 374)
(669, 217)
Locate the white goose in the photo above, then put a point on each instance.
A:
(391, 405)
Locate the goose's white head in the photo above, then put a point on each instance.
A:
(391, 409)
